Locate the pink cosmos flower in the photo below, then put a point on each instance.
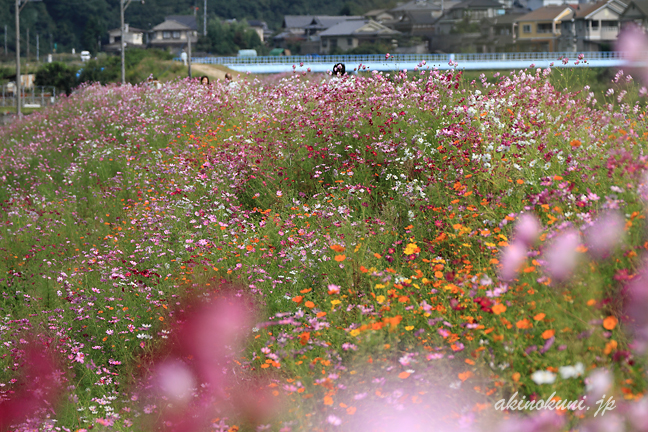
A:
(605, 234)
(512, 258)
(527, 229)
(562, 256)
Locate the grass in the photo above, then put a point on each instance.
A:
(359, 230)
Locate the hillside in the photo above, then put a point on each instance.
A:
(81, 23)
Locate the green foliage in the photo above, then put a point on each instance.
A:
(102, 71)
(229, 38)
(58, 75)
(140, 63)
(465, 26)
(370, 48)
(79, 24)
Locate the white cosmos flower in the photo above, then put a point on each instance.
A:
(543, 377)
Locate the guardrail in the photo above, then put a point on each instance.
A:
(380, 62)
(433, 58)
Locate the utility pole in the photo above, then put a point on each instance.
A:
(27, 44)
(37, 48)
(189, 51)
(5, 51)
(205, 19)
(20, 4)
(123, 4)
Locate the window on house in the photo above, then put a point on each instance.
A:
(505, 31)
(526, 28)
(545, 28)
(334, 43)
(595, 25)
(349, 41)
(166, 35)
(176, 35)
(609, 23)
(324, 43)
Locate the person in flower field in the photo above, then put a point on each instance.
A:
(339, 70)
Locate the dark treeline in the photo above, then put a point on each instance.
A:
(83, 24)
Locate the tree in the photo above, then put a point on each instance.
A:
(57, 75)
(91, 35)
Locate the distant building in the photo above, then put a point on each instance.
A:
(351, 33)
(540, 30)
(174, 33)
(133, 37)
(594, 27)
(636, 12)
(261, 28)
(379, 15)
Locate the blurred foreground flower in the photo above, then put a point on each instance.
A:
(605, 234)
(512, 258)
(633, 43)
(527, 229)
(197, 381)
(562, 256)
(36, 391)
(636, 303)
(538, 421)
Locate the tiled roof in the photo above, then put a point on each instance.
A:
(358, 27)
(469, 4)
(170, 25)
(546, 13)
(642, 5)
(186, 20)
(417, 5)
(297, 21)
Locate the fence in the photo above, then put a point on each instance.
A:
(35, 97)
(381, 62)
(407, 58)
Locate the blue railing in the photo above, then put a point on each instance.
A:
(380, 62)
(399, 58)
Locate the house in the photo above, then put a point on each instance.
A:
(294, 30)
(305, 30)
(537, 4)
(540, 30)
(174, 33)
(133, 37)
(636, 12)
(594, 27)
(497, 32)
(466, 16)
(351, 33)
(261, 27)
(379, 15)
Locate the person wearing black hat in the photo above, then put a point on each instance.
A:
(339, 69)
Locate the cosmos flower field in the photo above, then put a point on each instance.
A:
(380, 252)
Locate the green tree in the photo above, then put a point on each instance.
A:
(104, 71)
(91, 35)
(370, 48)
(58, 75)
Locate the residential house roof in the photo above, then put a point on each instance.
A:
(474, 4)
(186, 20)
(583, 10)
(170, 25)
(642, 5)
(128, 29)
(374, 12)
(415, 5)
(296, 21)
(257, 23)
(323, 22)
(505, 19)
(546, 13)
(357, 27)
